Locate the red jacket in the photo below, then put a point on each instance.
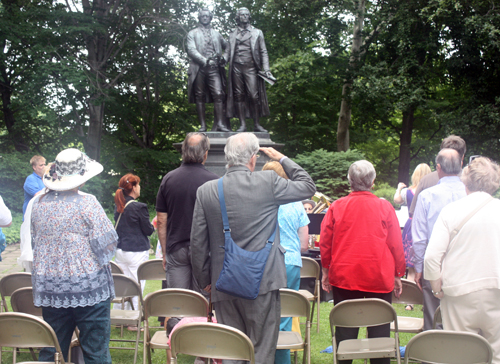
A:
(361, 244)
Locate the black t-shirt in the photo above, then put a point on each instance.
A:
(177, 196)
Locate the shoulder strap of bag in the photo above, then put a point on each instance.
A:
(464, 221)
(119, 217)
(468, 217)
(225, 220)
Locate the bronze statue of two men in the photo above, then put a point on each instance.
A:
(248, 61)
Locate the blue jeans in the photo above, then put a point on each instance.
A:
(293, 282)
(94, 325)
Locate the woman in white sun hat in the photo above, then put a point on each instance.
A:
(73, 241)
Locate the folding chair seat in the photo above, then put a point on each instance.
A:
(115, 269)
(364, 313)
(170, 302)
(311, 269)
(294, 304)
(22, 330)
(128, 287)
(10, 283)
(411, 295)
(210, 340)
(448, 347)
(22, 301)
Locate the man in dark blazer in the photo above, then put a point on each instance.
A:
(206, 73)
(247, 54)
(252, 202)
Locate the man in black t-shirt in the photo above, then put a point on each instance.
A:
(174, 206)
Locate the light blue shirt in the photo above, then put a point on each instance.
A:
(32, 185)
(430, 202)
(291, 217)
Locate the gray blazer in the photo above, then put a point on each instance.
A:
(252, 201)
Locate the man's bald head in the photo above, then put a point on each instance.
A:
(194, 147)
(448, 162)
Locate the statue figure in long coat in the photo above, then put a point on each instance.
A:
(248, 64)
(206, 74)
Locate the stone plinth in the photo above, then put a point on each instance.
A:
(216, 162)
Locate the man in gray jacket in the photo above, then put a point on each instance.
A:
(252, 202)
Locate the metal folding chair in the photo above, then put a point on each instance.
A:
(294, 304)
(310, 269)
(128, 287)
(365, 312)
(170, 302)
(10, 283)
(411, 295)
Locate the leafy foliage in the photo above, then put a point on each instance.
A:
(329, 170)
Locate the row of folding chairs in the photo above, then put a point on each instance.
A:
(433, 346)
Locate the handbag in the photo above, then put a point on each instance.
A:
(242, 270)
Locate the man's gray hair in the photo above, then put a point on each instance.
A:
(450, 161)
(361, 176)
(240, 148)
(194, 147)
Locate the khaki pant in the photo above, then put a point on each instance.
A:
(477, 312)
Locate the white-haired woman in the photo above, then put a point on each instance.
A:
(361, 242)
(73, 241)
(462, 260)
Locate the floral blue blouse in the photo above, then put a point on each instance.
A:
(73, 241)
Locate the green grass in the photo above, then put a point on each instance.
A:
(318, 341)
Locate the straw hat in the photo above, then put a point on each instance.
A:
(71, 169)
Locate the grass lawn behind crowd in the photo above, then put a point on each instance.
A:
(318, 341)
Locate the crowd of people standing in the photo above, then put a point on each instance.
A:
(449, 246)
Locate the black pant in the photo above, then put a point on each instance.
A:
(209, 77)
(245, 83)
(346, 333)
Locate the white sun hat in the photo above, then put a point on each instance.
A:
(71, 169)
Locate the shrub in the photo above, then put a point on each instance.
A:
(14, 168)
(384, 190)
(329, 170)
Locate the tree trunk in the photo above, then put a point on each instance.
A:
(345, 106)
(404, 145)
(10, 120)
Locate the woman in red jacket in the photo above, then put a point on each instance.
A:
(361, 249)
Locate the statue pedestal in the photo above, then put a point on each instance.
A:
(216, 162)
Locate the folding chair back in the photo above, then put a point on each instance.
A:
(411, 295)
(294, 304)
(151, 270)
(128, 287)
(10, 283)
(211, 340)
(22, 330)
(22, 301)
(175, 302)
(448, 347)
(311, 269)
(115, 268)
(364, 313)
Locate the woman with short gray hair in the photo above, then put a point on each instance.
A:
(462, 259)
(361, 242)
